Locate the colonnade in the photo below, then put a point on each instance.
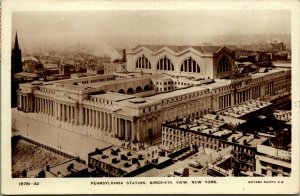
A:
(224, 101)
(107, 122)
(256, 92)
(97, 119)
(243, 96)
(23, 102)
(63, 112)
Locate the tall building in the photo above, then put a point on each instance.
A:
(16, 57)
(16, 67)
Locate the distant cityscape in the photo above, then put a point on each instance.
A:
(151, 110)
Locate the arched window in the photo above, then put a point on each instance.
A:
(121, 91)
(143, 63)
(224, 65)
(190, 65)
(130, 91)
(146, 88)
(165, 64)
(138, 89)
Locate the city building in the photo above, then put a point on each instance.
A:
(118, 162)
(226, 128)
(195, 61)
(182, 82)
(273, 157)
(70, 168)
(110, 68)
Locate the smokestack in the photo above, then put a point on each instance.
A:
(124, 55)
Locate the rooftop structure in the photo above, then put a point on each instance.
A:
(246, 108)
(204, 61)
(71, 168)
(117, 161)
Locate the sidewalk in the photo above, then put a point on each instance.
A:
(67, 140)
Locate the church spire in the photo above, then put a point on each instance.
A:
(16, 42)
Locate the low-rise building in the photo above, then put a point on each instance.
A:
(272, 161)
(115, 161)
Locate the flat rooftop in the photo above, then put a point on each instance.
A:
(113, 96)
(251, 140)
(245, 108)
(177, 92)
(138, 102)
(125, 165)
(226, 119)
(63, 168)
(259, 74)
(116, 81)
(202, 125)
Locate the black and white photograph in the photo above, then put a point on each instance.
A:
(151, 94)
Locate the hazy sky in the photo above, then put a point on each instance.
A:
(111, 27)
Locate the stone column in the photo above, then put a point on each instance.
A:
(19, 101)
(80, 115)
(115, 125)
(119, 127)
(109, 122)
(97, 119)
(126, 130)
(94, 118)
(77, 116)
(138, 130)
(67, 113)
(85, 117)
(133, 131)
(63, 112)
(90, 117)
(106, 122)
(47, 106)
(37, 104)
(55, 109)
(101, 120)
(44, 106)
(72, 114)
(51, 107)
(40, 105)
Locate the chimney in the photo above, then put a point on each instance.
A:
(124, 55)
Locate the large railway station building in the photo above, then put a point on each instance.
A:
(161, 83)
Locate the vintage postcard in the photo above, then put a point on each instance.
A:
(150, 97)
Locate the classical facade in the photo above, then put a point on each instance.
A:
(133, 105)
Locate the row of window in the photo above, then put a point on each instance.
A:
(102, 101)
(46, 90)
(224, 65)
(188, 65)
(95, 80)
(149, 109)
(176, 83)
(185, 97)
